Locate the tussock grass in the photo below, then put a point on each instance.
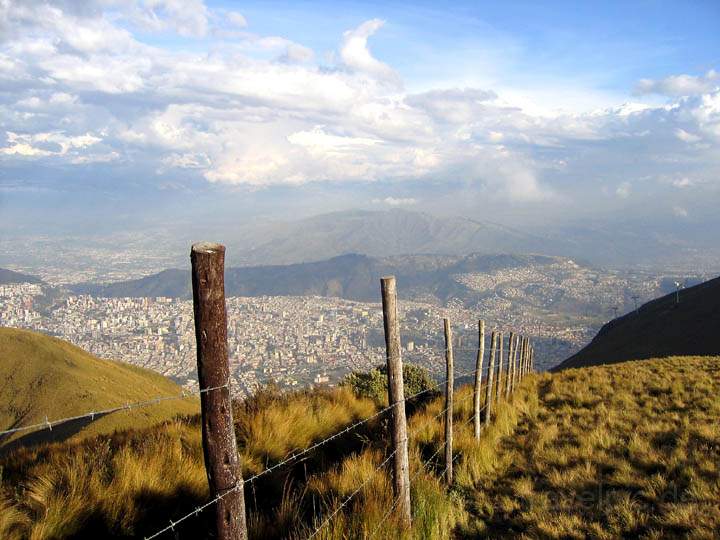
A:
(132, 483)
(629, 450)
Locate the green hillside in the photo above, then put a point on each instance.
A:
(42, 375)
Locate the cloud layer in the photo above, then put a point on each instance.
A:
(79, 87)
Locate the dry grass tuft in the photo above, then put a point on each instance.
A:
(630, 450)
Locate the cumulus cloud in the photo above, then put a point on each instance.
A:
(356, 55)
(45, 144)
(186, 17)
(262, 110)
(680, 85)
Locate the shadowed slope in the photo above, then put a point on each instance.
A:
(660, 328)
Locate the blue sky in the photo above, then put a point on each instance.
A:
(146, 111)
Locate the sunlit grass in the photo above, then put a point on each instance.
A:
(628, 450)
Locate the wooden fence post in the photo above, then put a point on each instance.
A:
(532, 358)
(518, 361)
(490, 378)
(449, 387)
(523, 359)
(396, 398)
(222, 462)
(510, 365)
(478, 378)
(498, 388)
(527, 356)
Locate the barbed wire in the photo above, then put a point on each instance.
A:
(347, 500)
(49, 424)
(339, 433)
(423, 464)
(195, 512)
(298, 455)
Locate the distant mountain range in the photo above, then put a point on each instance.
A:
(403, 232)
(662, 327)
(377, 234)
(353, 277)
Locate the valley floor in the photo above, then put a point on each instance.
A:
(630, 450)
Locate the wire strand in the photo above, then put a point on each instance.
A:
(349, 498)
(48, 424)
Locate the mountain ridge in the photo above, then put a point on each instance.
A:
(10, 276)
(350, 276)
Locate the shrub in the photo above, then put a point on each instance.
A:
(373, 384)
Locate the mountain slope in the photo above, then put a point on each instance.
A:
(379, 234)
(660, 328)
(42, 375)
(395, 232)
(9, 276)
(352, 276)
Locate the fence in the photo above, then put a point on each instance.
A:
(223, 467)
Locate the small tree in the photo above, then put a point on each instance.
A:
(373, 384)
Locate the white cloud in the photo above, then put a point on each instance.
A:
(46, 144)
(261, 110)
(317, 139)
(682, 182)
(294, 52)
(393, 201)
(236, 19)
(623, 190)
(680, 85)
(685, 136)
(356, 55)
(679, 211)
(186, 17)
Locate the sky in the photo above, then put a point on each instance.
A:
(137, 113)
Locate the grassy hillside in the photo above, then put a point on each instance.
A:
(629, 450)
(659, 328)
(42, 375)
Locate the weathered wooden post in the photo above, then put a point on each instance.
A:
(396, 398)
(532, 358)
(523, 359)
(527, 357)
(490, 379)
(498, 389)
(478, 378)
(218, 432)
(449, 387)
(510, 365)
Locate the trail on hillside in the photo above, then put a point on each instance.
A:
(630, 450)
